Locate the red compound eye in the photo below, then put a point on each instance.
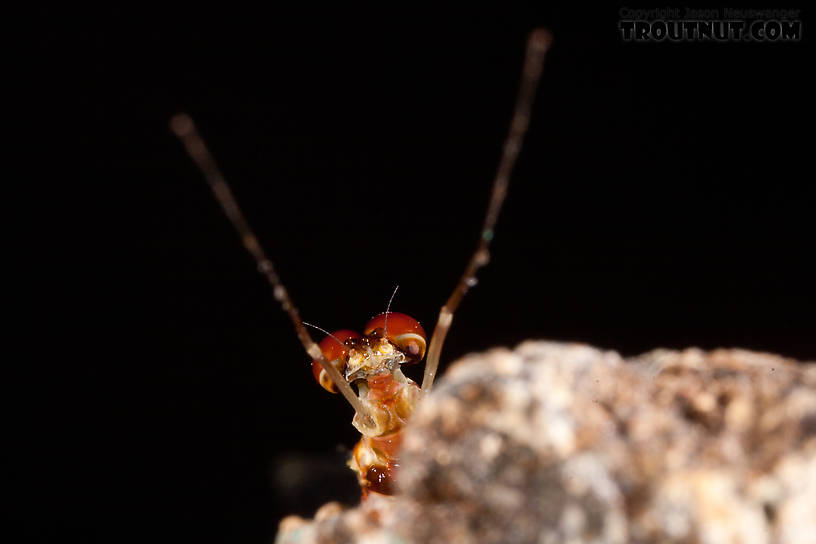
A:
(403, 331)
(335, 351)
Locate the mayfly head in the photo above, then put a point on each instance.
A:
(378, 351)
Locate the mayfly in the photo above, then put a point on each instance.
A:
(370, 362)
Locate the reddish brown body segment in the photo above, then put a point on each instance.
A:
(375, 458)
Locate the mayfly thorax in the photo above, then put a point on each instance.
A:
(366, 367)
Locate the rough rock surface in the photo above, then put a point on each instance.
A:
(566, 443)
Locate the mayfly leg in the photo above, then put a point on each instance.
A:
(537, 46)
(182, 126)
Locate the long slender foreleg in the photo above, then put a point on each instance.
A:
(183, 127)
(537, 46)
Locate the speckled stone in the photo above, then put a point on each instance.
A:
(566, 443)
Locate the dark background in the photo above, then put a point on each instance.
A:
(660, 201)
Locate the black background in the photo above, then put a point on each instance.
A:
(660, 201)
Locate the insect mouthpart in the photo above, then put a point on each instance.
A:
(372, 356)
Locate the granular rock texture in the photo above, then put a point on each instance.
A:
(565, 443)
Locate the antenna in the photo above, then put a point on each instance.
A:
(327, 333)
(387, 308)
